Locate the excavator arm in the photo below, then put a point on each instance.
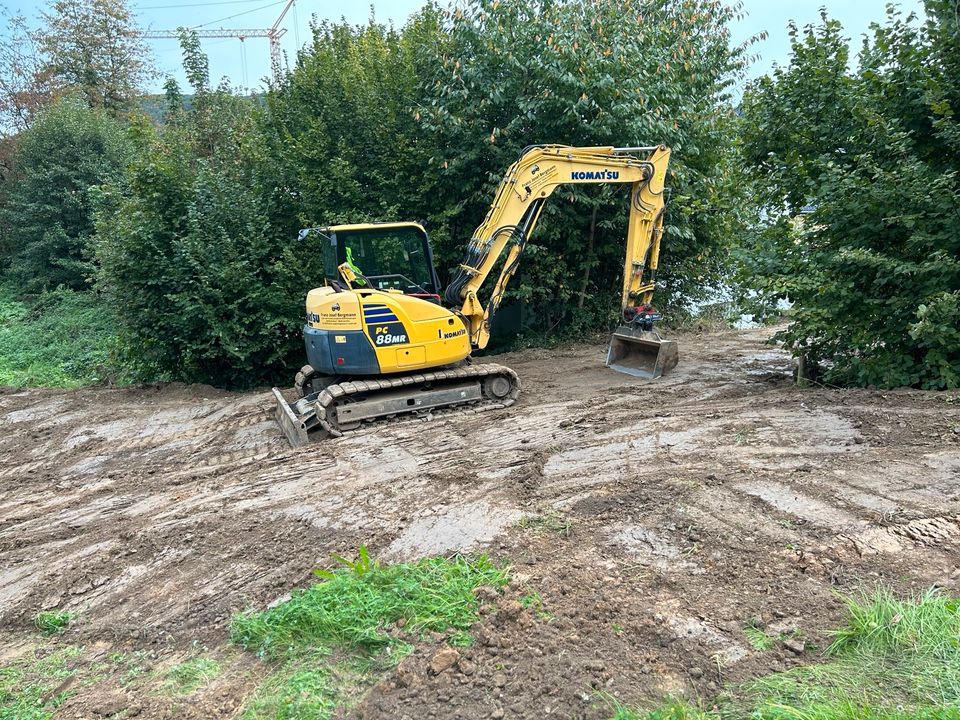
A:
(516, 208)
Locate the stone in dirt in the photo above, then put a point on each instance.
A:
(443, 659)
(795, 645)
(406, 672)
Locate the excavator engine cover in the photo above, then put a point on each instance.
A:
(641, 353)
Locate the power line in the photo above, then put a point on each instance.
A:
(245, 12)
(193, 5)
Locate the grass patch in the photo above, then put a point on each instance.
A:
(131, 667)
(334, 639)
(312, 685)
(551, 521)
(758, 639)
(29, 687)
(892, 660)
(190, 675)
(62, 338)
(51, 623)
(353, 610)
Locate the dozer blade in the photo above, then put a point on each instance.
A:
(293, 427)
(643, 354)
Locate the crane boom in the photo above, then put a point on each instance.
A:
(516, 208)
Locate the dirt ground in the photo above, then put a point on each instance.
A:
(655, 520)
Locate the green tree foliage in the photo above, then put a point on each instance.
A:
(873, 271)
(342, 128)
(621, 73)
(46, 218)
(94, 47)
(204, 289)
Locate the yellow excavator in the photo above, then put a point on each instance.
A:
(381, 344)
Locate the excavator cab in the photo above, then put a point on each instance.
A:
(383, 256)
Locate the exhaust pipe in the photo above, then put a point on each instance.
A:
(641, 353)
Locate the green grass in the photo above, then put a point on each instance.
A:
(51, 623)
(27, 686)
(312, 686)
(353, 610)
(892, 660)
(757, 638)
(552, 521)
(332, 640)
(61, 339)
(190, 675)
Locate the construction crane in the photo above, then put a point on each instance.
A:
(272, 33)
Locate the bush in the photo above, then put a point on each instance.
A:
(46, 216)
(866, 166)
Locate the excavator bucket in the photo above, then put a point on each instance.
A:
(643, 354)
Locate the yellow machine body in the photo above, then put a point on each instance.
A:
(379, 344)
(373, 332)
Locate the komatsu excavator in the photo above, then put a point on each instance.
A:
(379, 342)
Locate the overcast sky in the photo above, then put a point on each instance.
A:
(247, 62)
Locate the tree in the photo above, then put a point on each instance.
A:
(94, 47)
(869, 159)
(46, 219)
(620, 73)
(26, 84)
(342, 124)
(207, 287)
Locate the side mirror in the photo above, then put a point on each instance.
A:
(302, 235)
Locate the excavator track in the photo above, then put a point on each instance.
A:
(346, 406)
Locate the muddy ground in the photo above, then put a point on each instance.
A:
(655, 520)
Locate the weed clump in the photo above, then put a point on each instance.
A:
(51, 623)
(354, 605)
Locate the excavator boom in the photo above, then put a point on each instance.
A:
(635, 348)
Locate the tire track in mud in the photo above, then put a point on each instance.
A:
(693, 501)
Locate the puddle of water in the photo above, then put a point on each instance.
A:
(786, 499)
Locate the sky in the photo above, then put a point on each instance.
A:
(246, 62)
